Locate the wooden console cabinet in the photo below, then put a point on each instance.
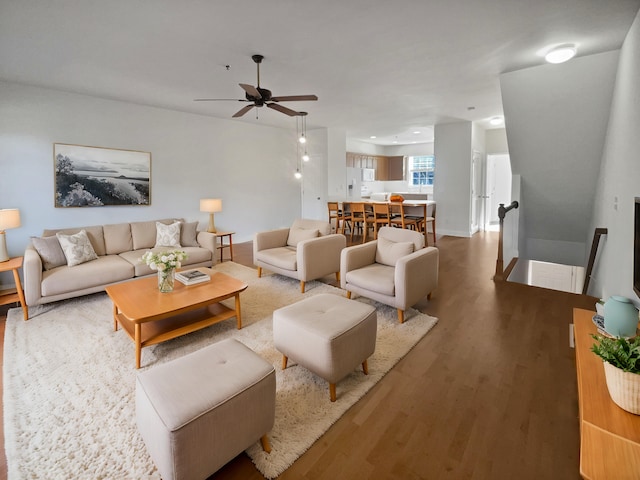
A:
(609, 436)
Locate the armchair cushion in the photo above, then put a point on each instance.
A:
(296, 235)
(280, 257)
(389, 252)
(375, 277)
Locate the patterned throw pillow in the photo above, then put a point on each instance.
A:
(388, 252)
(77, 248)
(168, 235)
(50, 251)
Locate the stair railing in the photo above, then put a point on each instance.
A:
(592, 256)
(501, 274)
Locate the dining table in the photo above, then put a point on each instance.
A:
(417, 208)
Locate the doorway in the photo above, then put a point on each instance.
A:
(497, 188)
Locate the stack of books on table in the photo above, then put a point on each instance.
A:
(191, 277)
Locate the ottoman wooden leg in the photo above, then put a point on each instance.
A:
(259, 272)
(301, 286)
(332, 391)
(266, 446)
(284, 361)
(365, 368)
(348, 294)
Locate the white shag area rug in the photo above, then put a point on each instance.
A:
(69, 382)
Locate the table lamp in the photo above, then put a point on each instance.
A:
(211, 205)
(9, 218)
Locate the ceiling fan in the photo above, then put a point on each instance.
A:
(259, 96)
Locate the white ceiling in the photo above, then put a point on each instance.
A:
(378, 67)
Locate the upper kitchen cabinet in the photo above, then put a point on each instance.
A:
(395, 168)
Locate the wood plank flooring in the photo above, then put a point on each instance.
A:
(489, 393)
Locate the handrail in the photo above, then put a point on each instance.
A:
(502, 212)
(592, 256)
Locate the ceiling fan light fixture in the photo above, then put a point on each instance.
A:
(298, 175)
(561, 54)
(305, 157)
(302, 139)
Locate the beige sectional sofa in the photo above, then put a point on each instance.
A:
(118, 248)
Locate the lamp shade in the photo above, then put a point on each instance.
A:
(211, 205)
(9, 218)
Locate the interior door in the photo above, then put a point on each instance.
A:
(314, 204)
(478, 196)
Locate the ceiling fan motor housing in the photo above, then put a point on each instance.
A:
(265, 96)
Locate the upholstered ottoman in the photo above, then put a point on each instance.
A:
(199, 411)
(327, 334)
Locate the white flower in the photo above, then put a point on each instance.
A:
(163, 261)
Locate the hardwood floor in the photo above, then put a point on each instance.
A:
(489, 393)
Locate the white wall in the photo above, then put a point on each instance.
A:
(496, 141)
(452, 189)
(619, 177)
(336, 163)
(250, 167)
(363, 147)
(412, 150)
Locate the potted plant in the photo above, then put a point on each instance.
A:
(621, 358)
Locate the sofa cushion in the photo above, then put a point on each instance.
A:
(195, 256)
(189, 234)
(281, 257)
(375, 277)
(50, 251)
(95, 234)
(167, 235)
(388, 252)
(77, 248)
(297, 235)
(102, 271)
(144, 233)
(117, 238)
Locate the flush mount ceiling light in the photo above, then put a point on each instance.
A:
(561, 54)
(496, 120)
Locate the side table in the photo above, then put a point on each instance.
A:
(222, 245)
(10, 296)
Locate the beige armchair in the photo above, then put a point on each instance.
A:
(395, 269)
(306, 251)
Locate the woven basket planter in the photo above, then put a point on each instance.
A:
(624, 388)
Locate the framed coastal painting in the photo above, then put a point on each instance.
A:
(96, 176)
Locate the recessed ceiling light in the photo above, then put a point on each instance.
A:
(373, 136)
(395, 141)
(471, 108)
(417, 132)
(561, 54)
(495, 120)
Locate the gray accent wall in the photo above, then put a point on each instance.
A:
(556, 120)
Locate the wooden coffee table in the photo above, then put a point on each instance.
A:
(150, 317)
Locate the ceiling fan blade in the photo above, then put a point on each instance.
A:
(285, 110)
(294, 98)
(243, 110)
(251, 90)
(220, 100)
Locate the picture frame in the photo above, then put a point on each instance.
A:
(87, 176)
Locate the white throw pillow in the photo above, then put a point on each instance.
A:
(168, 235)
(296, 235)
(77, 248)
(50, 251)
(388, 252)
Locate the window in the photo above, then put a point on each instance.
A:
(422, 170)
